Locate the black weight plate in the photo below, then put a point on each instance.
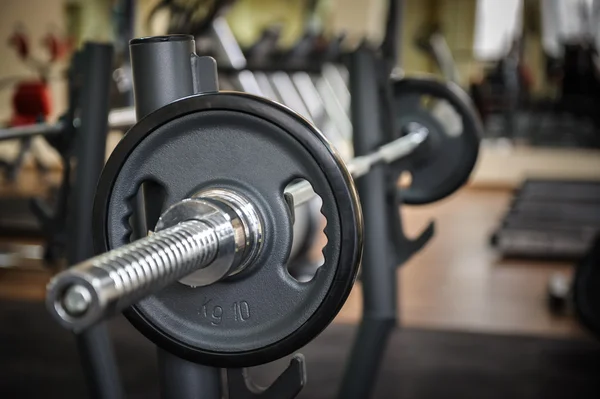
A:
(256, 147)
(444, 162)
(586, 295)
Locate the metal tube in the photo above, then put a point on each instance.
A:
(360, 166)
(378, 271)
(21, 132)
(119, 118)
(212, 236)
(162, 74)
(98, 364)
(390, 47)
(162, 71)
(95, 350)
(265, 87)
(443, 54)
(90, 147)
(370, 343)
(180, 379)
(336, 111)
(103, 286)
(336, 77)
(315, 106)
(228, 48)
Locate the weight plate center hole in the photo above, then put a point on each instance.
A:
(309, 239)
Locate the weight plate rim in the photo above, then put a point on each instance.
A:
(331, 164)
(460, 100)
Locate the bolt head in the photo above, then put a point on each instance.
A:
(76, 300)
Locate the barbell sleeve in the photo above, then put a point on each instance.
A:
(214, 233)
(105, 285)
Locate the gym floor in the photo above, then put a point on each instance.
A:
(456, 283)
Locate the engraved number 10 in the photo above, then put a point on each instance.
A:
(241, 311)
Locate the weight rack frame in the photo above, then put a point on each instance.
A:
(385, 245)
(94, 345)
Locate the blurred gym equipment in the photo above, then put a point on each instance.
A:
(179, 200)
(203, 233)
(551, 219)
(195, 236)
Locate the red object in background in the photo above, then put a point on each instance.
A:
(21, 43)
(31, 102)
(56, 47)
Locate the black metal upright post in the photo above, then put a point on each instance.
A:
(186, 380)
(125, 10)
(161, 71)
(165, 69)
(94, 345)
(378, 269)
(390, 47)
(372, 121)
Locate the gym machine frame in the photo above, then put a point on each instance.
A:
(93, 345)
(169, 70)
(385, 245)
(157, 83)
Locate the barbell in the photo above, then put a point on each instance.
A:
(230, 237)
(219, 170)
(78, 295)
(224, 160)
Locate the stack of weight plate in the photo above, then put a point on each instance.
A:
(550, 219)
